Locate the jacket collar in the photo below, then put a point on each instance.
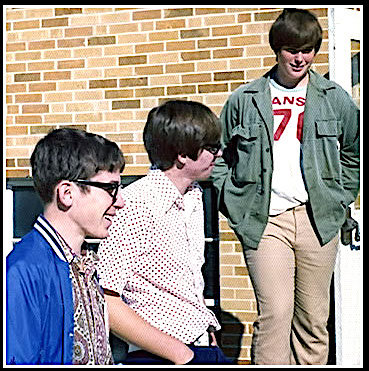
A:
(51, 236)
(262, 85)
(261, 98)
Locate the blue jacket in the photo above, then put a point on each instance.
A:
(39, 300)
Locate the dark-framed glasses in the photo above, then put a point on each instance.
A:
(213, 148)
(111, 188)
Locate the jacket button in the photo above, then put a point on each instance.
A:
(267, 150)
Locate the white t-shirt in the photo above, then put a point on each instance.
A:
(288, 188)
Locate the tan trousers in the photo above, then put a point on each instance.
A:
(291, 274)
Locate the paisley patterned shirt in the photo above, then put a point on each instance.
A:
(91, 337)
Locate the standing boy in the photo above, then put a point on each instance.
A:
(290, 169)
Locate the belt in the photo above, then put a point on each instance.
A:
(203, 340)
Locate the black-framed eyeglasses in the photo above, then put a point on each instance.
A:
(111, 188)
(213, 148)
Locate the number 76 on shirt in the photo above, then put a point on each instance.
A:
(287, 112)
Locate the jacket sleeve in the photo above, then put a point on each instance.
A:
(229, 118)
(350, 147)
(23, 317)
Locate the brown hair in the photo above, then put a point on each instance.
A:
(71, 154)
(295, 28)
(179, 128)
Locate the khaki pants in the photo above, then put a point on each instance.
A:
(291, 274)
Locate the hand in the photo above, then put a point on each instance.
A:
(213, 339)
(185, 358)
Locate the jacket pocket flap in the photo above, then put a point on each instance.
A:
(248, 132)
(326, 128)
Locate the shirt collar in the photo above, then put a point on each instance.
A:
(166, 199)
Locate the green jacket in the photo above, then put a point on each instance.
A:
(330, 157)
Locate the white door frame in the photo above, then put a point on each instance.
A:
(343, 25)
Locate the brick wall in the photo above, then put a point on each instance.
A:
(103, 69)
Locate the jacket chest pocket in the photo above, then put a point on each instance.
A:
(328, 148)
(247, 163)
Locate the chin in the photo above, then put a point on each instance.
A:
(100, 235)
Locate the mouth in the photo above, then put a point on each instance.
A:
(109, 218)
(297, 68)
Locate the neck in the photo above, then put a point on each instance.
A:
(64, 226)
(290, 83)
(177, 178)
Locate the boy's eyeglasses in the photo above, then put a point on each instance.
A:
(111, 188)
(213, 148)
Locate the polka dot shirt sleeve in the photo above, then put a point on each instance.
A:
(118, 251)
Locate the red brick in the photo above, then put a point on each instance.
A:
(20, 77)
(136, 59)
(135, 81)
(72, 63)
(194, 33)
(23, 25)
(201, 11)
(57, 75)
(35, 108)
(147, 14)
(267, 16)
(26, 98)
(126, 104)
(181, 12)
(213, 88)
(44, 44)
(181, 89)
(42, 86)
(233, 75)
(78, 31)
(212, 43)
(29, 119)
(191, 56)
(101, 40)
(17, 173)
(227, 30)
(71, 43)
(169, 24)
(228, 53)
(67, 11)
(149, 92)
(102, 84)
(15, 47)
(55, 22)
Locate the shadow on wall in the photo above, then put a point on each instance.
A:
(231, 336)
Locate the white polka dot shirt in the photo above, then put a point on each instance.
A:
(154, 254)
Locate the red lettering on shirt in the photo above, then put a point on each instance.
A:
(300, 101)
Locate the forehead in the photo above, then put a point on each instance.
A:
(106, 176)
(297, 47)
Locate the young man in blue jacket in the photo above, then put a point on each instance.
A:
(55, 309)
(290, 168)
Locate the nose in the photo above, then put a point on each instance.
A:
(119, 202)
(299, 57)
(218, 154)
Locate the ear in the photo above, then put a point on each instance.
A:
(181, 161)
(64, 195)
